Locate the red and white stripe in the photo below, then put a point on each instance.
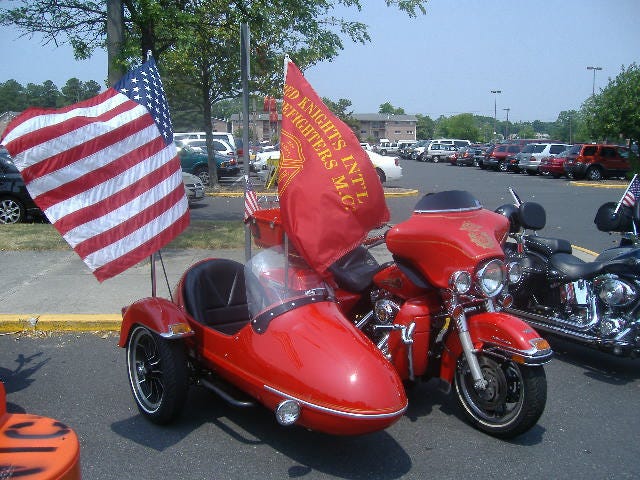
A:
(104, 176)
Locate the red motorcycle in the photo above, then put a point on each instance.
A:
(331, 352)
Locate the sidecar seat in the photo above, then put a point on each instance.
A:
(214, 294)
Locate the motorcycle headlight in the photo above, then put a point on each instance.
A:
(460, 282)
(491, 278)
(514, 272)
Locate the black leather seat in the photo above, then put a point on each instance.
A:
(215, 295)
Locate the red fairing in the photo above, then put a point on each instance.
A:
(489, 329)
(439, 244)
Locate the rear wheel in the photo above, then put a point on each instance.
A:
(435, 159)
(532, 172)
(158, 374)
(11, 210)
(203, 175)
(502, 166)
(511, 404)
(594, 173)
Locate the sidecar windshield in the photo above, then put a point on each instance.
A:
(275, 286)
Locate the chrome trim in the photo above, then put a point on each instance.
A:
(466, 209)
(336, 412)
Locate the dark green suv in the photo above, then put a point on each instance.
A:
(196, 162)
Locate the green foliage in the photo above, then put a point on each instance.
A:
(613, 114)
(390, 109)
(16, 98)
(425, 127)
(458, 126)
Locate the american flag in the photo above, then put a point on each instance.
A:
(105, 171)
(250, 200)
(633, 192)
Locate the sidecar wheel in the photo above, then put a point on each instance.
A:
(513, 401)
(157, 374)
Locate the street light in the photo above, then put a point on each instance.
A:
(593, 89)
(507, 127)
(495, 110)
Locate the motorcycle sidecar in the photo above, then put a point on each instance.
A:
(281, 341)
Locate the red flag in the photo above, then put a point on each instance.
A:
(105, 171)
(330, 194)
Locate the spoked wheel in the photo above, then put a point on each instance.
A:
(11, 211)
(157, 374)
(512, 402)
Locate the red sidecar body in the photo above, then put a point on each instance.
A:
(295, 347)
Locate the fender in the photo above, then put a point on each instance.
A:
(157, 314)
(500, 334)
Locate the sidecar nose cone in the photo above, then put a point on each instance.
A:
(288, 412)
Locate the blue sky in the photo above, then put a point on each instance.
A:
(443, 63)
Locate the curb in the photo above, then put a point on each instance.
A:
(59, 322)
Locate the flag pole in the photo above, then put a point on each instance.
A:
(244, 72)
(625, 194)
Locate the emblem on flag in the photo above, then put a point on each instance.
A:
(105, 171)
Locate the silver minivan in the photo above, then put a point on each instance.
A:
(529, 157)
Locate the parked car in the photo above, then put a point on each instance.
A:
(418, 149)
(387, 168)
(219, 146)
(16, 205)
(597, 161)
(436, 152)
(553, 165)
(497, 159)
(466, 156)
(260, 162)
(405, 147)
(483, 162)
(193, 187)
(530, 156)
(197, 163)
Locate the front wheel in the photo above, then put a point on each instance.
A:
(435, 159)
(158, 374)
(11, 210)
(503, 167)
(511, 404)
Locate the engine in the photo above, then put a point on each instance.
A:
(378, 323)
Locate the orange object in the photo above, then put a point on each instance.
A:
(36, 448)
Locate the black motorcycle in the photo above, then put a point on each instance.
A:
(594, 303)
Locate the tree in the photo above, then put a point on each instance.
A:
(459, 126)
(390, 109)
(199, 38)
(425, 127)
(613, 114)
(12, 97)
(340, 109)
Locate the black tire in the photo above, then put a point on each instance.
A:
(513, 401)
(532, 172)
(383, 152)
(594, 174)
(158, 374)
(435, 159)
(11, 210)
(503, 167)
(203, 175)
(381, 175)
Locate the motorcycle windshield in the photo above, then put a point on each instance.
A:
(277, 284)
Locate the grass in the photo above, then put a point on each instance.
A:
(199, 234)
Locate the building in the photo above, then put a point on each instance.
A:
(373, 126)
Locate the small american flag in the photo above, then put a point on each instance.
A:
(250, 200)
(633, 192)
(105, 171)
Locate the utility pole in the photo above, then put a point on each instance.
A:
(507, 127)
(495, 111)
